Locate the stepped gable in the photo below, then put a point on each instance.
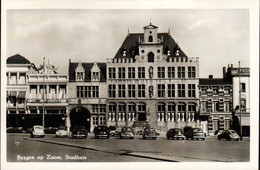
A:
(87, 67)
(17, 59)
(132, 41)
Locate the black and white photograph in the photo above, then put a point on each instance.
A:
(130, 85)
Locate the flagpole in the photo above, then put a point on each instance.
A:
(241, 138)
(43, 107)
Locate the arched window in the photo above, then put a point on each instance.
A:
(150, 38)
(150, 57)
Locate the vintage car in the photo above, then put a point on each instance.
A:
(127, 132)
(150, 132)
(194, 133)
(62, 132)
(102, 132)
(37, 131)
(175, 133)
(228, 135)
(79, 132)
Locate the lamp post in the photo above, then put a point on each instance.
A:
(43, 107)
(241, 138)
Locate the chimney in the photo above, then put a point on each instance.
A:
(210, 76)
(69, 60)
(224, 72)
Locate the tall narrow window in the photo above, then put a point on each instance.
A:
(191, 72)
(112, 72)
(150, 38)
(150, 57)
(181, 90)
(131, 72)
(161, 72)
(141, 72)
(243, 87)
(171, 72)
(79, 91)
(95, 91)
(141, 90)
(88, 91)
(191, 90)
(243, 104)
(215, 106)
(181, 72)
(161, 90)
(131, 90)
(121, 72)
(171, 90)
(112, 91)
(121, 90)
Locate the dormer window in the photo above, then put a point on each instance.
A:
(80, 73)
(177, 52)
(95, 73)
(168, 52)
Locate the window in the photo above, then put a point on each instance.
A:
(161, 112)
(13, 78)
(112, 90)
(80, 76)
(204, 106)
(226, 91)
(215, 91)
(181, 72)
(191, 90)
(121, 90)
(95, 108)
(95, 76)
(121, 72)
(243, 104)
(131, 90)
(88, 91)
(141, 90)
(95, 120)
(161, 90)
(112, 72)
(102, 120)
(79, 91)
(243, 87)
(181, 90)
(22, 78)
(150, 57)
(131, 72)
(215, 106)
(131, 108)
(111, 112)
(226, 106)
(150, 38)
(181, 113)
(161, 72)
(95, 91)
(191, 72)
(171, 72)
(203, 91)
(141, 72)
(102, 108)
(141, 107)
(171, 90)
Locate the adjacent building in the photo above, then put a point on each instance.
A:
(216, 100)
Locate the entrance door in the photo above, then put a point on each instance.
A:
(80, 116)
(204, 126)
(141, 117)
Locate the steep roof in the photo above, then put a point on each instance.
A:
(17, 59)
(150, 26)
(213, 81)
(131, 43)
(87, 67)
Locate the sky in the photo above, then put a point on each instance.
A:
(217, 36)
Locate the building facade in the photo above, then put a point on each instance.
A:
(240, 78)
(151, 79)
(216, 100)
(87, 95)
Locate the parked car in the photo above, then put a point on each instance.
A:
(79, 132)
(37, 131)
(14, 129)
(50, 130)
(195, 133)
(218, 132)
(139, 127)
(127, 132)
(228, 134)
(116, 132)
(102, 132)
(112, 130)
(175, 133)
(62, 132)
(150, 132)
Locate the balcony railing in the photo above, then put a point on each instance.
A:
(47, 100)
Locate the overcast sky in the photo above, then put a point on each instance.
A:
(217, 37)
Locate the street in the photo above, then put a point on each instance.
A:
(22, 148)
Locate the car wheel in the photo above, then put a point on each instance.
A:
(144, 137)
(187, 138)
(219, 138)
(132, 138)
(228, 138)
(203, 139)
(237, 139)
(182, 138)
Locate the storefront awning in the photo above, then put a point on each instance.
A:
(21, 94)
